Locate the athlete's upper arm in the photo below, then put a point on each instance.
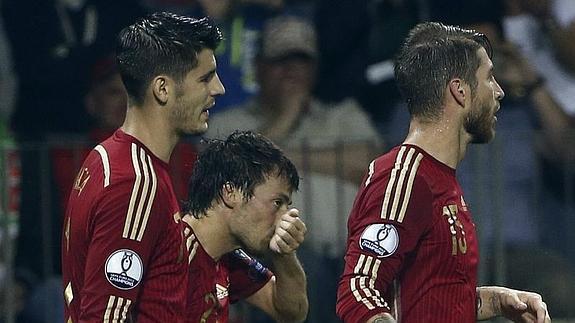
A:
(124, 230)
(390, 216)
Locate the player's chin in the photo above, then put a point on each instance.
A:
(198, 128)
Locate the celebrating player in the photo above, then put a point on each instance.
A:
(239, 198)
(124, 253)
(412, 248)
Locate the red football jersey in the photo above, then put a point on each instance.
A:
(213, 285)
(124, 255)
(412, 249)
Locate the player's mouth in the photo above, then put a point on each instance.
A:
(210, 105)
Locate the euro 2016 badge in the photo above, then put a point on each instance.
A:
(124, 269)
(381, 239)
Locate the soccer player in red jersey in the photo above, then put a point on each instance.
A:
(124, 256)
(412, 250)
(239, 197)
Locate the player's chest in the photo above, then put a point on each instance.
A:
(209, 293)
(454, 226)
(452, 239)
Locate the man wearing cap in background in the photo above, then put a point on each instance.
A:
(331, 144)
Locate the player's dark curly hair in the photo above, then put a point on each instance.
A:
(243, 160)
(162, 43)
(431, 56)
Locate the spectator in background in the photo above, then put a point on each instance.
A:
(331, 144)
(53, 43)
(106, 99)
(242, 22)
(555, 20)
(105, 103)
(372, 31)
(542, 32)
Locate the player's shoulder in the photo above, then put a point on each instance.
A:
(397, 158)
(124, 161)
(402, 167)
(405, 158)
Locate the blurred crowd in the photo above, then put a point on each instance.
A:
(316, 77)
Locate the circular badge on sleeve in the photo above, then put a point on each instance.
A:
(381, 239)
(124, 269)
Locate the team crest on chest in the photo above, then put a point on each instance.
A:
(381, 239)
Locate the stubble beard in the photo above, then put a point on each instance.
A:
(184, 121)
(479, 122)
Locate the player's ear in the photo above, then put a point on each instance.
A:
(161, 87)
(457, 90)
(231, 196)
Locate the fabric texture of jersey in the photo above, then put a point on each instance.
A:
(412, 249)
(124, 256)
(214, 285)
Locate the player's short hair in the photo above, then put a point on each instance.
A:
(162, 43)
(431, 56)
(243, 160)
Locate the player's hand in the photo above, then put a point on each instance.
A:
(289, 233)
(524, 307)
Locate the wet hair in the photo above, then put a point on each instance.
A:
(431, 56)
(162, 43)
(243, 160)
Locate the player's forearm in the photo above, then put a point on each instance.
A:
(488, 302)
(290, 293)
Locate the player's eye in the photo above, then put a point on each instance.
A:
(208, 77)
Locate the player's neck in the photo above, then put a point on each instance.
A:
(442, 140)
(152, 130)
(212, 234)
